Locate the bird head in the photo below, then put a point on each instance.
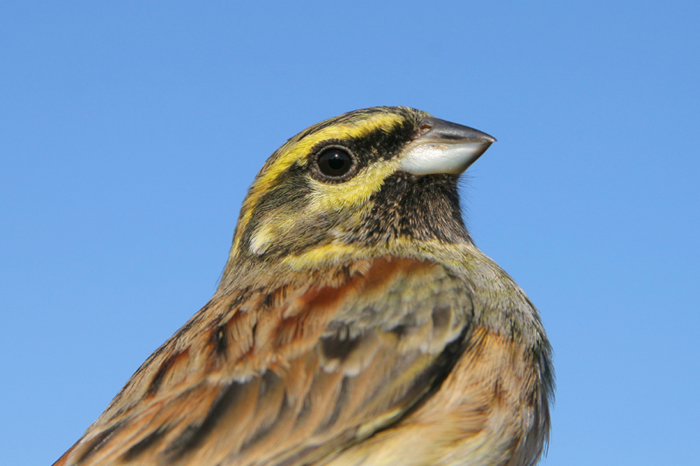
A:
(368, 182)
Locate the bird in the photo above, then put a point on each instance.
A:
(355, 322)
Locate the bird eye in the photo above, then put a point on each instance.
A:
(335, 162)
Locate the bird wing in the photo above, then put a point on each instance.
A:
(289, 374)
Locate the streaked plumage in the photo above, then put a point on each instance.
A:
(356, 323)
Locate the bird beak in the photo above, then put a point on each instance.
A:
(443, 147)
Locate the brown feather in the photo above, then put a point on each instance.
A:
(295, 368)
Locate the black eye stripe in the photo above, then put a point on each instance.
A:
(378, 144)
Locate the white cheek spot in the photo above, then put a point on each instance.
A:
(259, 242)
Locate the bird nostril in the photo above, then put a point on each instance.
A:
(423, 128)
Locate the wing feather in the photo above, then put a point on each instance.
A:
(288, 375)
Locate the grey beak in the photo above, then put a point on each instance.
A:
(444, 147)
(441, 130)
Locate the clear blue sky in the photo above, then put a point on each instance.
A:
(130, 131)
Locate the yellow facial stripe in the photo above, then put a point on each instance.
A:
(336, 252)
(330, 196)
(322, 255)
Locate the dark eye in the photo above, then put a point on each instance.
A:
(335, 162)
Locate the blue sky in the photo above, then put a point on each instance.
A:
(130, 131)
